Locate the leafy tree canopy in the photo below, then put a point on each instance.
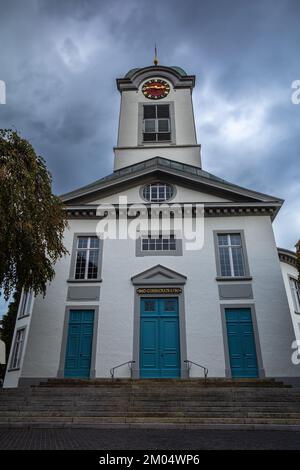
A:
(32, 218)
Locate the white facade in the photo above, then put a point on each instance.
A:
(205, 296)
(130, 149)
(290, 278)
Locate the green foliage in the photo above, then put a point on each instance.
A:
(32, 218)
(8, 323)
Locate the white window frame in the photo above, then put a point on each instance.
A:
(157, 131)
(295, 290)
(159, 237)
(25, 304)
(18, 349)
(158, 186)
(88, 250)
(229, 247)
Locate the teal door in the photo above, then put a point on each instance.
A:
(79, 344)
(241, 343)
(159, 338)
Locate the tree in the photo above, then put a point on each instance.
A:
(32, 218)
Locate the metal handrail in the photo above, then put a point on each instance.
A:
(112, 370)
(189, 365)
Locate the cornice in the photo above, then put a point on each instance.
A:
(287, 256)
(214, 209)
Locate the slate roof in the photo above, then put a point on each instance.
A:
(174, 67)
(157, 166)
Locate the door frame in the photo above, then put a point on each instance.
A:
(95, 308)
(137, 330)
(260, 367)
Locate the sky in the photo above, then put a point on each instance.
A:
(60, 59)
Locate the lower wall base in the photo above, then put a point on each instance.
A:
(294, 381)
(29, 381)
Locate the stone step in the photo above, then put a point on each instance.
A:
(293, 406)
(154, 386)
(100, 412)
(119, 420)
(145, 402)
(150, 404)
(171, 381)
(166, 386)
(163, 398)
(192, 382)
(140, 401)
(149, 392)
(138, 404)
(158, 414)
(131, 411)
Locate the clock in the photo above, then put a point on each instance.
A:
(155, 89)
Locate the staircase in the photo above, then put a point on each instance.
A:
(190, 403)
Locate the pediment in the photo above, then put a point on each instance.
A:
(183, 194)
(158, 275)
(190, 178)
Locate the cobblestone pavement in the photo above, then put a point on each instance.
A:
(146, 439)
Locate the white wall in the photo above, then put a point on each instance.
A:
(203, 317)
(202, 306)
(184, 130)
(188, 155)
(287, 272)
(12, 376)
(184, 119)
(45, 338)
(183, 195)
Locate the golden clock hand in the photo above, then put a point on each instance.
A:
(158, 87)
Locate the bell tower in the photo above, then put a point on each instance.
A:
(156, 117)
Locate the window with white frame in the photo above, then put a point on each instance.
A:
(26, 301)
(158, 192)
(295, 288)
(156, 123)
(231, 256)
(18, 348)
(158, 242)
(87, 257)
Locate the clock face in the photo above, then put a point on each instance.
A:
(155, 89)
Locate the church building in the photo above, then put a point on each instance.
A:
(156, 303)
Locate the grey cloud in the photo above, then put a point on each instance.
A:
(60, 59)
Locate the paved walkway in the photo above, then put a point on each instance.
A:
(146, 439)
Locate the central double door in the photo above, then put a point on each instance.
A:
(159, 338)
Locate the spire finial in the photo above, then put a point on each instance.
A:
(155, 61)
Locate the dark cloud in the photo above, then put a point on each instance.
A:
(60, 59)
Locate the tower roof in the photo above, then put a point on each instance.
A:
(178, 77)
(174, 67)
